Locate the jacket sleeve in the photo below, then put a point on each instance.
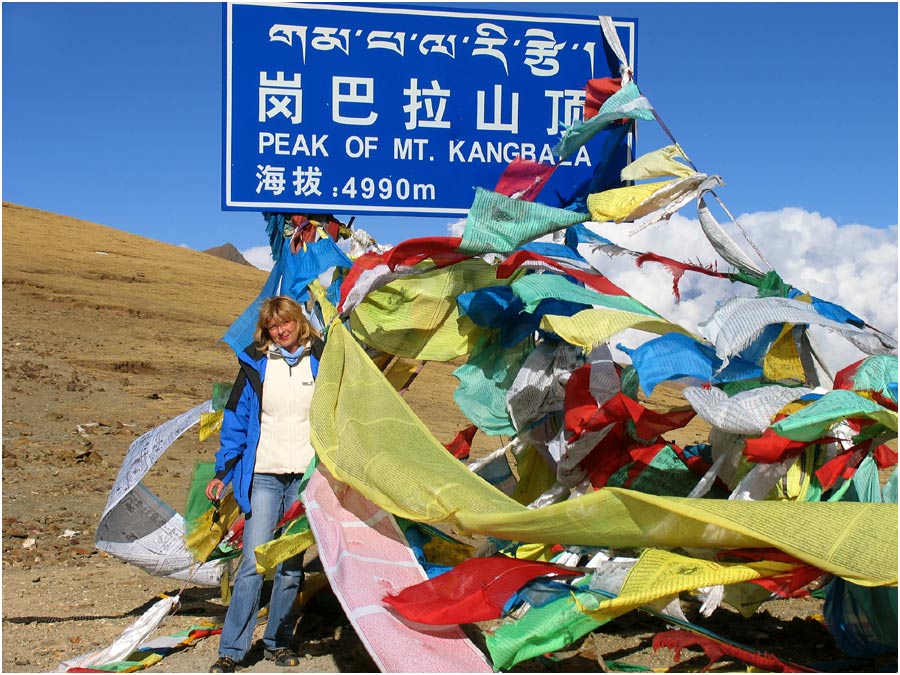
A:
(233, 435)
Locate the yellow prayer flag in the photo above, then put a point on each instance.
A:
(591, 327)
(417, 316)
(367, 436)
(617, 203)
(657, 164)
(782, 361)
(319, 293)
(662, 574)
(210, 423)
(203, 535)
(271, 553)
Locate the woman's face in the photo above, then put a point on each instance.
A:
(285, 333)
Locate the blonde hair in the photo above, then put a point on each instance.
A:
(281, 308)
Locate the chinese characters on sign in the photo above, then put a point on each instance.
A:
(397, 110)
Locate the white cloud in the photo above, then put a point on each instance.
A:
(854, 266)
(455, 228)
(259, 256)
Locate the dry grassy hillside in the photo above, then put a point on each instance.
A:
(107, 329)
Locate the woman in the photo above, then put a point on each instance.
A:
(263, 452)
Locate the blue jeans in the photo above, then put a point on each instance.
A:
(271, 495)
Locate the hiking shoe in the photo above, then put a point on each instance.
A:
(223, 665)
(283, 656)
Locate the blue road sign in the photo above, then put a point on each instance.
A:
(400, 110)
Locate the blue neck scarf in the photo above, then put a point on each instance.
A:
(279, 352)
(291, 359)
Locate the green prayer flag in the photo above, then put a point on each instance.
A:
(500, 224)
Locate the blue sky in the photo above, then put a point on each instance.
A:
(112, 112)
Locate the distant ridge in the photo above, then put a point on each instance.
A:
(228, 252)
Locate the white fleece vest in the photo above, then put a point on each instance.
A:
(284, 445)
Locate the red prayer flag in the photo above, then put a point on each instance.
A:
(597, 91)
(844, 377)
(294, 511)
(475, 590)
(608, 456)
(677, 268)
(677, 640)
(844, 380)
(523, 179)
(460, 446)
(333, 228)
(579, 404)
(790, 583)
(648, 424)
(617, 447)
(843, 465)
(304, 232)
(770, 448)
(443, 251)
(598, 282)
(884, 456)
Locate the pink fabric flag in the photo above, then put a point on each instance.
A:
(366, 557)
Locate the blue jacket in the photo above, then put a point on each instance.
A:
(241, 422)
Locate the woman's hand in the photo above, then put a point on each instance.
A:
(215, 489)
